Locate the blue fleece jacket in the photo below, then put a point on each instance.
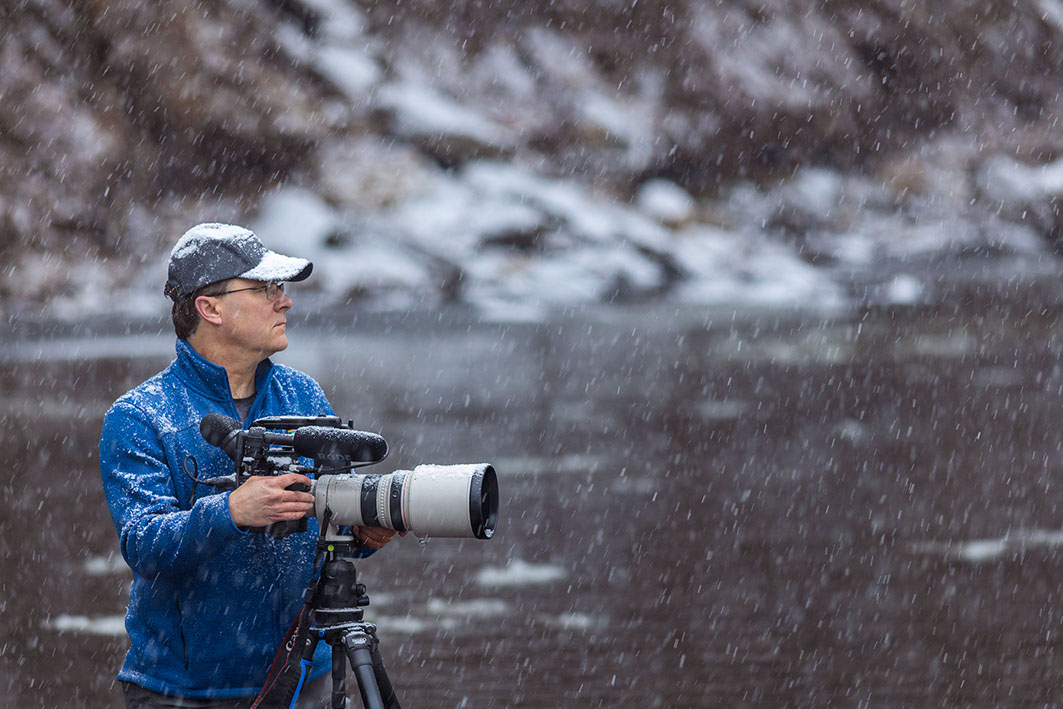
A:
(209, 604)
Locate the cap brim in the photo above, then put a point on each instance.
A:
(276, 267)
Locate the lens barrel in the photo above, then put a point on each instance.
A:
(430, 500)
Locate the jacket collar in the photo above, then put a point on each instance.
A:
(207, 378)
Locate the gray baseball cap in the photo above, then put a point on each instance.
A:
(208, 253)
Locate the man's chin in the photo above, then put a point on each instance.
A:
(279, 344)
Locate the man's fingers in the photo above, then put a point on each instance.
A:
(375, 537)
(287, 499)
(293, 515)
(278, 488)
(289, 479)
(299, 507)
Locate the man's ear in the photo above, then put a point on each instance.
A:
(208, 309)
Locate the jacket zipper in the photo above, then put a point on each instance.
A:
(181, 629)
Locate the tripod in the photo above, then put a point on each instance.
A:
(337, 613)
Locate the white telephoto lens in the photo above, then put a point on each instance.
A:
(430, 500)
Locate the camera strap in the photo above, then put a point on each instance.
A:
(291, 665)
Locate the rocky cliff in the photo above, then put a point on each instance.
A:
(123, 122)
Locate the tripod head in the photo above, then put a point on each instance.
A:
(339, 597)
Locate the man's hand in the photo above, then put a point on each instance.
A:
(263, 500)
(375, 537)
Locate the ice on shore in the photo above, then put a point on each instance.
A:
(88, 625)
(520, 573)
(985, 550)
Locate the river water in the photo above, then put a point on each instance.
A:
(699, 509)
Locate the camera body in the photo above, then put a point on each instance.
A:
(430, 500)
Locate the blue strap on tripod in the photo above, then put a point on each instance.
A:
(306, 665)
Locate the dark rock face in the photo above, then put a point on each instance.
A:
(750, 87)
(119, 118)
(107, 105)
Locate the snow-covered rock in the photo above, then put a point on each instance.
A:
(452, 132)
(665, 201)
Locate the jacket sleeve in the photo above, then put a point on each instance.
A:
(157, 537)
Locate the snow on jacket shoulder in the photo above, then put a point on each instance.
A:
(209, 604)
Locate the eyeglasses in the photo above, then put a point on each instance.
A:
(273, 290)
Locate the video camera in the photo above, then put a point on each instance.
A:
(430, 500)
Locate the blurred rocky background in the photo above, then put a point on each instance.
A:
(532, 154)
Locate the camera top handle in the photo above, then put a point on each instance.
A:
(287, 423)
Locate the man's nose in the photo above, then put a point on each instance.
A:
(283, 302)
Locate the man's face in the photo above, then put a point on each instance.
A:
(252, 323)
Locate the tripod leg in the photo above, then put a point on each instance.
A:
(387, 692)
(339, 671)
(358, 652)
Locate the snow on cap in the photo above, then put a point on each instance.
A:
(208, 253)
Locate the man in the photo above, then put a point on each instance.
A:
(210, 602)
